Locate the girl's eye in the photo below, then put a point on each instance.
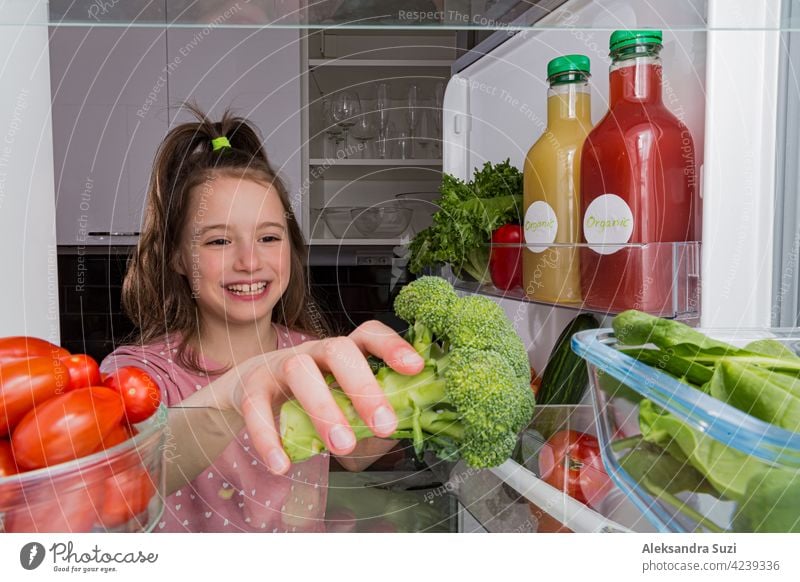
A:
(217, 241)
(270, 238)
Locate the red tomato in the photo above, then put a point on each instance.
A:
(127, 494)
(71, 505)
(83, 371)
(119, 434)
(8, 466)
(26, 383)
(140, 393)
(66, 427)
(14, 348)
(505, 263)
(571, 461)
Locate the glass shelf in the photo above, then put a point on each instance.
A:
(421, 494)
(392, 242)
(373, 63)
(377, 14)
(671, 289)
(372, 169)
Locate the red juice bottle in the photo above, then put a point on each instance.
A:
(638, 185)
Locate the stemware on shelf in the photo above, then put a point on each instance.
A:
(383, 108)
(332, 128)
(438, 117)
(346, 107)
(412, 114)
(426, 134)
(364, 130)
(404, 145)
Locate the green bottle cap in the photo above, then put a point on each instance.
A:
(568, 63)
(623, 38)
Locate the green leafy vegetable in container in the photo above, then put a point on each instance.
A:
(762, 379)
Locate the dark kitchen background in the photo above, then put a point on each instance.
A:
(90, 286)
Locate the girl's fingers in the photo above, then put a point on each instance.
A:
(301, 377)
(379, 339)
(345, 361)
(301, 374)
(256, 408)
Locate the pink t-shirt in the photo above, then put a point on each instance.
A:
(236, 492)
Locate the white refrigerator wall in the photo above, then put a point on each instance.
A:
(496, 108)
(29, 293)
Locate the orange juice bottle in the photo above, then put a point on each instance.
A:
(552, 186)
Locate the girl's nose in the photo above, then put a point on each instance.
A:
(247, 258)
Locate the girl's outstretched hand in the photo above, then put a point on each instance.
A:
(263, 383)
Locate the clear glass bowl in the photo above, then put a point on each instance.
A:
(120, 489)
(340, 222)
(386, 221)
(743, 474)
(424, 204)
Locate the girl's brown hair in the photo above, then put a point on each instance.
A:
(154, 295)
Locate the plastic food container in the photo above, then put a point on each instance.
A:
(742, 474)
(120, 489)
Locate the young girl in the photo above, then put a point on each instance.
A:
(218, 292)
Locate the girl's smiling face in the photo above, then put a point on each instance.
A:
(235, 250)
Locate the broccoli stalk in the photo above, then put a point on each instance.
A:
(470, 400)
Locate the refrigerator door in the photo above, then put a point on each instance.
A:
(495, 108)
(720, 78)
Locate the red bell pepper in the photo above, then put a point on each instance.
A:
(505, 263)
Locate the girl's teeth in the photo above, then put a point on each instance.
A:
(247, 289)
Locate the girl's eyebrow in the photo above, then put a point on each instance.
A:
(265, 224)
(209, 227)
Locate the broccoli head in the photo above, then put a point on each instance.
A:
(470, 400)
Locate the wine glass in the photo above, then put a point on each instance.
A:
(384, 144)
(345, 108)
(425, 131)
(383, 108)
(412, 114)
(404, 145)
(332, 129)
(438, 116)
(363, 131)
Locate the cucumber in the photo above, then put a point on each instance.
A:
(565, 379)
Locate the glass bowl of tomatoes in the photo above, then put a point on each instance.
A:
(79, 451)
(119, 488)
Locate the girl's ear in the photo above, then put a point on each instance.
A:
(177, 264)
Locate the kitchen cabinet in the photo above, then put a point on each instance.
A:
(256, 73)
(109, 107)
(115, 95)
(358, 61)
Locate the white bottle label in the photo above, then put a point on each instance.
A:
(607, 221)
(541, 226)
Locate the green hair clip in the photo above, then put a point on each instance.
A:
(219, 143)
